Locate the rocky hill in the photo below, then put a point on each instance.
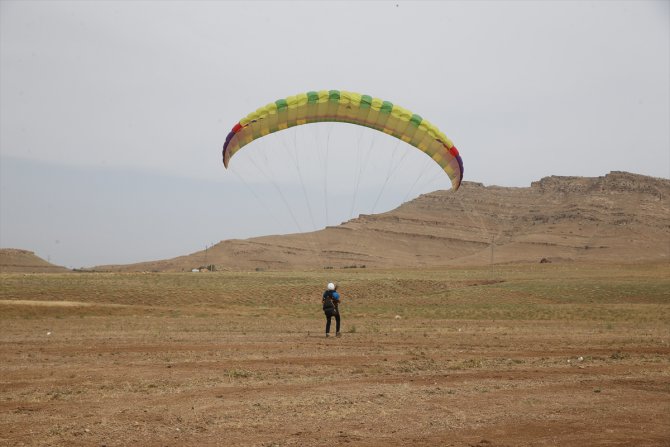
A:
(24, 261)
(620, 217)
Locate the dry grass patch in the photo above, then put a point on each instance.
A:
(240, 359)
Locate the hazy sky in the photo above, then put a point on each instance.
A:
(113, 114)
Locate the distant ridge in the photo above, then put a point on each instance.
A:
(620, 217)
(14, 260)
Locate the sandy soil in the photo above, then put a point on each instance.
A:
(194, 381)
(258, 376)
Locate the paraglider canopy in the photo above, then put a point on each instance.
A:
(348, 107)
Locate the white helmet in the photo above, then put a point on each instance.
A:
(331, 286)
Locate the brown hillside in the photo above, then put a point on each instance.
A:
(24, 261)
(618, 217)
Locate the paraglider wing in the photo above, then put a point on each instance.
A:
(347, 107)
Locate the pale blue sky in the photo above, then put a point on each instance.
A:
(112, 114)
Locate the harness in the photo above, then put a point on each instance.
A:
(328, 301)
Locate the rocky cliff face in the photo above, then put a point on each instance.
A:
(619, 217)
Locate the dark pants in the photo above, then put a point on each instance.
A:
(329, 314)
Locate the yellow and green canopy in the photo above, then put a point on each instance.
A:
(347, 107)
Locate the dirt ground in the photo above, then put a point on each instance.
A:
(163, 360)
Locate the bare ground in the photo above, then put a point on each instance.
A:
(94, 372)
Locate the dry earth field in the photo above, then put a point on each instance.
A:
(518, 355)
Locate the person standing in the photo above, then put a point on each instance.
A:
(331, 302)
